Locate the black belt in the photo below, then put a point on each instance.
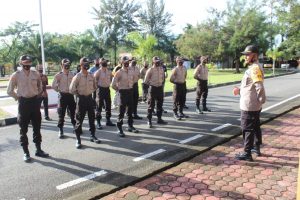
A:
(85, 96)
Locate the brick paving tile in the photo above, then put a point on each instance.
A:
(215, 174)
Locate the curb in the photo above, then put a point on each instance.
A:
(8, 121)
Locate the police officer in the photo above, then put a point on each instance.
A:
(144, 85)
(93, 70)
(28, 87)
(44, 95)
(61, 84)
(123, 83)
(178, 77)
(252, 96)
(83, 85)
(201, 74)
(103, 80)
(136, 76)
(155, 78)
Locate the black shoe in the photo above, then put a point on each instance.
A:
(176, 116)
(61, 133)
(154, 113)
(78, 144)
(198, 111)
(206, 109)
(256, 150)
(161, 121)
(185, 107)
(244, 156)
(109, 123)
(132, 129)
(181, 115)
(99, 127)
(94, 139)
(137, 117)
(150, 124)
(26, 157)
(48, 118)
(121, 134)
(41, 153)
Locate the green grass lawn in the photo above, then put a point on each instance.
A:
(4, 114)
(215, 77)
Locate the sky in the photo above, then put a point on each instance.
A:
(74, 16)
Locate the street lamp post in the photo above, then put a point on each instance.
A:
(42, 37)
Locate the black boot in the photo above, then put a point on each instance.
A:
(198, 110)
(78, 143)
(161, 121)
(149, 123)
(120, 130)
(99, 127)
(93, 138)
(135, 116)
(132, 129)
(244, 156)
(26, 156)
(39, 152)
(204, 107)
(61, 133)
(109, 123)
(256, 150)
(176, 116)
(181, 115)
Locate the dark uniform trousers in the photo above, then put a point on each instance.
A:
(155, 94)
(44, 100)
(65, 100)
(104, 97)
(85, 104)
(250, 124)
(179, 92)
(29, 109)
(135, 89)
(184, 101)
(145, 91)
(202, 92)
(126, 100)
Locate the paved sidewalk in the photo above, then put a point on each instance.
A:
(215, 174)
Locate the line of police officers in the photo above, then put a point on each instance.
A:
(125, 82)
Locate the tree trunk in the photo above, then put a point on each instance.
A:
(237, 66)
(115, 52)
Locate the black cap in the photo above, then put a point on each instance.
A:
(25, 58)
(155, 59)
(124, 59)
(85, 60)
(65, 61)
(250, 49)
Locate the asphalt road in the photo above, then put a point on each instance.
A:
(100, 168)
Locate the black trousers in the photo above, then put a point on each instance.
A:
(65, 100)
(179, 91)
(145, 91)
(126, 101)
(29, 110)
(104, 99)
(201, 92)
(184, 100)
(135, 89)
(250, 124)
(85, 104)
(44, 100)
(156, 94)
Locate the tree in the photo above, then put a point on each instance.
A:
(274, 54)
(11, 41)
(144, 46)
(118, 19)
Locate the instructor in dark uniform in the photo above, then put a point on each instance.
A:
(61, 84)
(29, 88)
(252, 97)
(123, 83)
(83, 85)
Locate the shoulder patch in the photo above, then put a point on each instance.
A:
(256, 74)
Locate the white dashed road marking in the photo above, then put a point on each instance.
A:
(80, 180)
(221, 127)
(190, 139)
(149, 155)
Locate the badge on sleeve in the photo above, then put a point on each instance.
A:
(256, 74)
